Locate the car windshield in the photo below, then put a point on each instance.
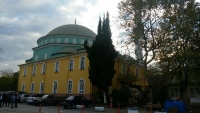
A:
(70, 98)
(45, 96)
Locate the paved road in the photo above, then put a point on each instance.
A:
(24, 108)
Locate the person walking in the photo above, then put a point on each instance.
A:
(5, 98)
(16, 99)
(8, 99)
(12, 99)
(1, 98)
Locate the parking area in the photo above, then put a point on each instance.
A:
(24, 108)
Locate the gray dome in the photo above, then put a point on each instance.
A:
(72, 29)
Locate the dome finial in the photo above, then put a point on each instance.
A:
(75, 21)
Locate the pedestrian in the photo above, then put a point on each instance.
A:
(12, 99)
(5, 98)
(1, 98)
(8, 99)
(16, 99)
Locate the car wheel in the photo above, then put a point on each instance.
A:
(29, 103)
(65, 107)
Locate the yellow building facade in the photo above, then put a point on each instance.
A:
(60, 65)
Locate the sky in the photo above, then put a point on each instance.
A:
(28, 20)
(25, 21)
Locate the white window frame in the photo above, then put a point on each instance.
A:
(58, 40)
(71, 64)
(45, 56)
(36, 57)
(82, 63)
(32, 87)
(25, 71)
(175, 93)
(43, 69)
(82, 41)
(23, 87)
(74, 41)
(55, 87)
(41, 87)
(81, 84)
(57, 66)
(66, 40)
(196, 90)
(51, 41)
(34, 70)
(69, 87)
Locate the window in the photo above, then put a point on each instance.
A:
(24, 74)
(174, 92)
(69, 87)
(66, 40)
(55, 87)
(82, 63)
(51, 41)
(81, 86)
(32, 88)
(45, 41)
(56, 67)
(123, 69)
(58, 40)
(43, 68)
(42, 88)
(41, 44)
(23, 87)
(34, 70)
(36, 58)
(194, 92)
(45, 56)
(82, 41)
(136, 72)
(71, 64)
(74, 41)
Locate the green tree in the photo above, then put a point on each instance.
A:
(101, 55)
(180, 53)
(15, 80)
(6, 83)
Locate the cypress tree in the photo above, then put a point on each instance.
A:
(101, 56)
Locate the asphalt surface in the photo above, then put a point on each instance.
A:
(25, 108)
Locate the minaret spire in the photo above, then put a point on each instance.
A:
(75, 21)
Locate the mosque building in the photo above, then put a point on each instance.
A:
(59, 64)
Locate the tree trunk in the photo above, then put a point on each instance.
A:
(104, 97)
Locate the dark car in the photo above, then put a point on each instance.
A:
(72, 101)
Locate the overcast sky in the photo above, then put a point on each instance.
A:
(32, 19)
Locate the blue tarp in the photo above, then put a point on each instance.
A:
(175, 104)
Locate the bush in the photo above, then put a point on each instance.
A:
(121, 94)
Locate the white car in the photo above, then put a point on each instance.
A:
(32, 97)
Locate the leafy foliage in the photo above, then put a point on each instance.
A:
(121, 94)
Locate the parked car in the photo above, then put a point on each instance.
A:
(32, 97)
(72, 101)
(24, 97)
(52, 99)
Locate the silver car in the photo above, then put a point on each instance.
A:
(32, 97)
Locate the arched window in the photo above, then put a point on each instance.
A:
(56, 69)
(34, 70)
(66, 40)
(32, 88)
(45, 41)
(41, 88)
(82, 41)
(74, 41)
(51, 41)
(36, 58)
(45, 56)
(24, 74)
(71, 64)
(55, 87)
(82, 63)
(23, 87)
(69, 87)
(43, 68)
(81, 86)
(58, 40)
